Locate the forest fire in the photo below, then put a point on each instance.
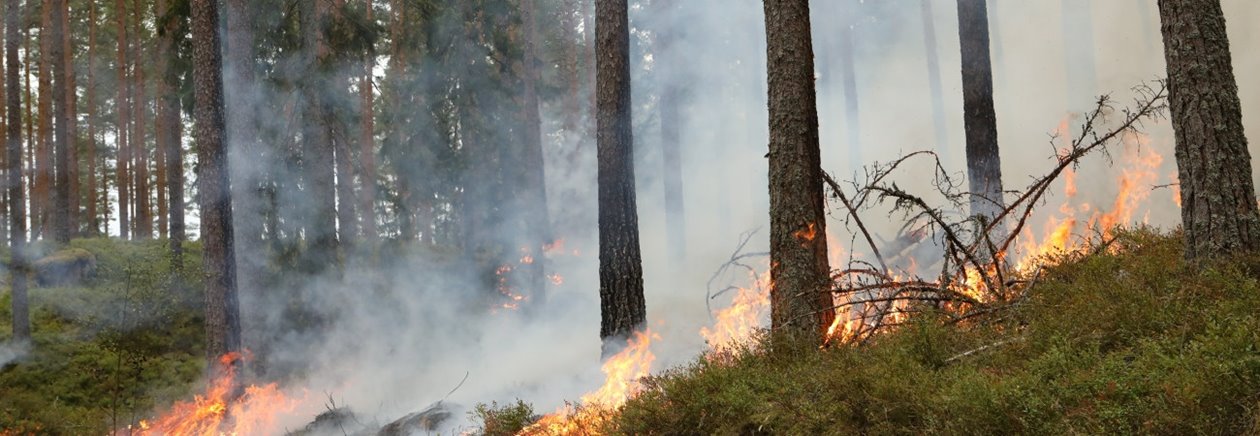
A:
(217, 413)
(621, 371)
(743, 317)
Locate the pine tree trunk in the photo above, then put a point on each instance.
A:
(124, 121)
(248, 191)
(61, 122)
(72, 128)
(1218, 199)
(367, 144)
(223, 328)
(800, 301)
(167, 113)
(620, 266)
(41, 200)
(984, 165)
(17, 230)
(91, 213)
(143, 218)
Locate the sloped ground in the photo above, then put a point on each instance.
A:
(106, 351)
(1129, 341)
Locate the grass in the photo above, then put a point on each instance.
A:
(1129, 341)
(1125, 342)
(109, 349)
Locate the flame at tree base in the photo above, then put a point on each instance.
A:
(622, 370)
(217, 413)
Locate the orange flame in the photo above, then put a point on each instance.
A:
(215, 413)
(738, 321)
(622, 371)
(807, 234)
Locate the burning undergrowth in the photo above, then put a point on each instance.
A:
(939, 267)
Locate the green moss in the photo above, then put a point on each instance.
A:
(104, 352)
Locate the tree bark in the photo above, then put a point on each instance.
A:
(800, 298)
(244, 139)
(1218, 199)
(17, 211)
(984, 165)
(223, 329)
(620, 266)
(122, 106)
(61, 122)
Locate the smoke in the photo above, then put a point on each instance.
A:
(398, 330)
(13, 351)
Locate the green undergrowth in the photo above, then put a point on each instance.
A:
(1129, 341)
(105, 350)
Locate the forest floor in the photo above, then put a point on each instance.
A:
(1131, 340)
(108, 350)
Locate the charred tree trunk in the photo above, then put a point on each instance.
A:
(223, 328)
(61, 120)
(1218, 200)
(124, 120)
(984, 165)
(800, 301)
(13, 155)
(620, 266)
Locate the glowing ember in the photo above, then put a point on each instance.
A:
(621, 374)
(807, 234)
(554, 247)
(216, 413)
